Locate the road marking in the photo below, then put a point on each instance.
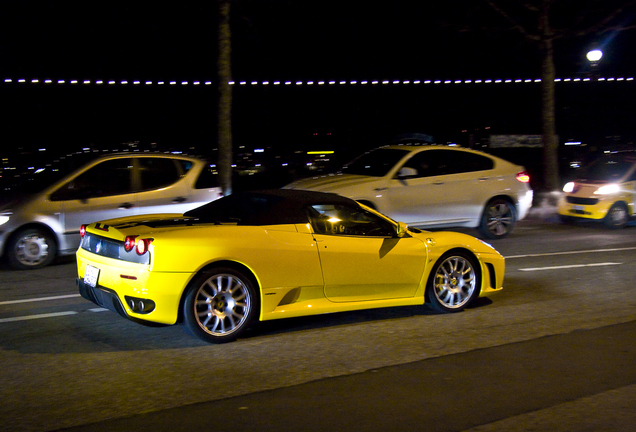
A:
(98, 310)
(570, 252)
(32, 317)
(38, 299)
(569, 266)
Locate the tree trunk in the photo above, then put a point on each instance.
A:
(551, 179)
(224, 72)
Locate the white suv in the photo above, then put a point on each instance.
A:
(47, 224)
(434, 186)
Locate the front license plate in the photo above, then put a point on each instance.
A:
(90, 276)
(578, 207)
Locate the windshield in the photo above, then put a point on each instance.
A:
(376, 163)
(610, 167)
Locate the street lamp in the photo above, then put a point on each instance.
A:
(594, 56)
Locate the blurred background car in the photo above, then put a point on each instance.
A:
(434, 186)
(603, 190)
(39, 227)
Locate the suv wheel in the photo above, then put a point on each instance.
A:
(498, 219)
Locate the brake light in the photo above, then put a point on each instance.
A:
(129, 243)
(523, 177)
(143, 245)
(82, 231)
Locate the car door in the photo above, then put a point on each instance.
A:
(361, 258)
(104, 191)
(440, 186)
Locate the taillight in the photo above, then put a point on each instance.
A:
(82, 231)
(142, 246)
(523, 177)
(129, 243)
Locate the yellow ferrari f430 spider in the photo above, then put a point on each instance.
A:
(275, 254)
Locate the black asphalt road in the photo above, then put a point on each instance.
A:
(570, 382)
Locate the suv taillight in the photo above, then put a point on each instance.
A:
(523, 177)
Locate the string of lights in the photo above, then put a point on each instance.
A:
(306, 83)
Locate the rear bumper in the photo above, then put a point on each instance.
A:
(525, 203)
(101, 296)
(120, 282)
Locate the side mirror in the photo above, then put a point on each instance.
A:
(402, 229)
(407, 172)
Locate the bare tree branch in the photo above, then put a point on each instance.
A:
(602, 25)
(513, 22)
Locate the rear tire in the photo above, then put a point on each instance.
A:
(220, 304)
(498, 219)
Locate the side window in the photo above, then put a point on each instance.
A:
(443, 162)
(422, 164)
(475, 162)
(209, 178)
(155, 173)
(112, 177)
(344, 220)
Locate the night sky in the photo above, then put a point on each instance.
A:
(295, 41)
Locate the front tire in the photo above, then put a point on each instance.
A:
(220, 305)
(454, 282)
(617, 216)
(30, 249)
(498, 219)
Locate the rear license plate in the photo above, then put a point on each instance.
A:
(91, 274)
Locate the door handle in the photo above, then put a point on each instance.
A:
(438, 183)
(126, 206)
(380, 189)
(178, 200)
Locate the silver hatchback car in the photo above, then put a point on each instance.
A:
(47, 224)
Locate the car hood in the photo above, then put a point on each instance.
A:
(332, 182)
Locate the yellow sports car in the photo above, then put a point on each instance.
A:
(275, 254)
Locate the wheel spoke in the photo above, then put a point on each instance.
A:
(222, 304)
(455, 281)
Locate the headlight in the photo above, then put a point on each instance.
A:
(608, 189)
(4, 219)
(569, 187)
(487, 244)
